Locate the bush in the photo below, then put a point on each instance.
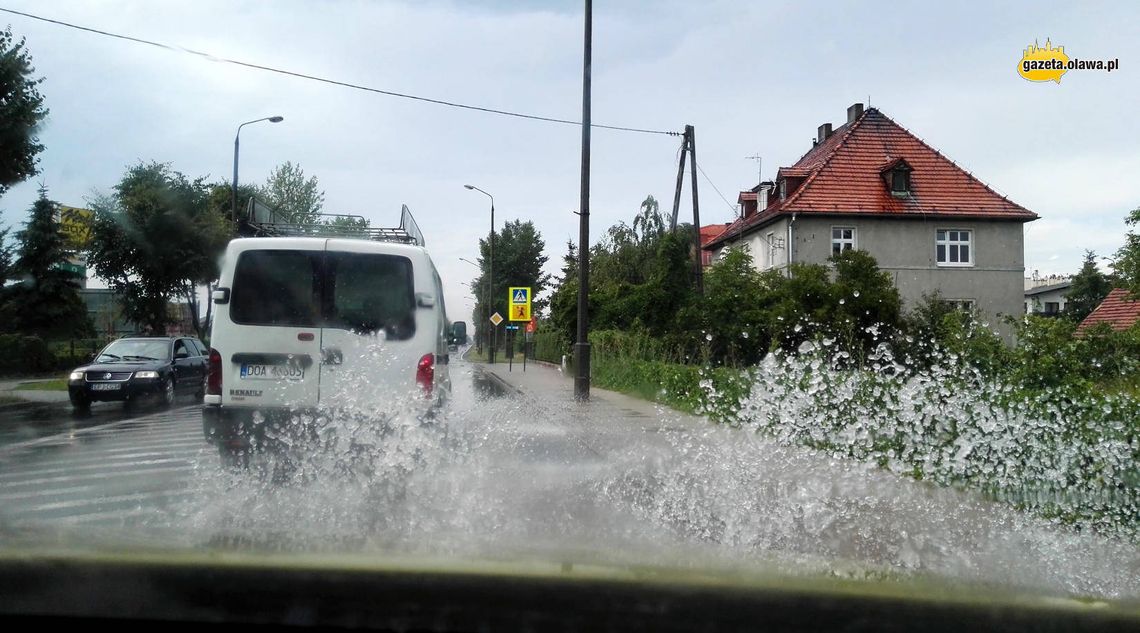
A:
(21, 354)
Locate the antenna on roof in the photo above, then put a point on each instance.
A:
(759, 167)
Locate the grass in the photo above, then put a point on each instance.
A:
(55, 384)
(500, 357)
(6, 399)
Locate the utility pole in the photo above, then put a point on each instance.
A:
(582, 345)
(698, 269)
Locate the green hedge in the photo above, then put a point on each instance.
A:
(550, 346)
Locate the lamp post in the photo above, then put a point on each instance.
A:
(233, 190)
(487, 307)
(490, 272)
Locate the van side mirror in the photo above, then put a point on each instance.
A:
(221, 296)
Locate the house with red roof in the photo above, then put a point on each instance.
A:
(871, 184)
(708, 232)
(1119, 310)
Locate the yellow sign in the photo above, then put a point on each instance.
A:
(75, 226)
(496, 319)
(518, 298)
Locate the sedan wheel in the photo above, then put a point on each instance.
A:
(168, 392)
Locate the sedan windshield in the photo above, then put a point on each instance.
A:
(134, 350)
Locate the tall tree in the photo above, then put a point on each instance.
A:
(648, 223)
(21, 112)
(46, 300)
(6, 255)
(1127, 263)
(519, 260)
(1089, 287)
(158, 237)
(289, 191)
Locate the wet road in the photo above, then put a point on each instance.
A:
(533, 475)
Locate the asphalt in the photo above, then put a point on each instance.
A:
(549, 385)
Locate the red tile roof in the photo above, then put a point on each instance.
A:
(843, 175)
(709, 231)
(1118, 310)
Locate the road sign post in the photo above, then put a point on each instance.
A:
(496, 319)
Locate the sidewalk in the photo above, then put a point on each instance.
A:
(8, 388)
(547, 384)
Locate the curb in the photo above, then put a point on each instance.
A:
(508, 387)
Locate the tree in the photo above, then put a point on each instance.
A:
(1089, 287)
(869, 306)
(6, 255)
(649, 221)
(298, 198)
(733, 314)
(1127, 263)
(158, 237)
(46, 300)
(519, 260)
(21, 112)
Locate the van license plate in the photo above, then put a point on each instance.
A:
(272, 372)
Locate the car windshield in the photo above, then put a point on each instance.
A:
(135, 349)
(841, 296)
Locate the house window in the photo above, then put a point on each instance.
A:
(842, 239)
(1052, 307)
(964, 305)
(770, 250)
(900, 182)
(953, 247)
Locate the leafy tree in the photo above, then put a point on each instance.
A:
(158, 237)
(649, 221)
(733, 315)
(869, 307)
(518, 261)
(289, 191)
(6, 255)
(1089, 287)
(21, 112)
(46, 300)
(1127, 263)
(804, 306)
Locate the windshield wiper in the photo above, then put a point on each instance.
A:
(111, 356)
(134, 357)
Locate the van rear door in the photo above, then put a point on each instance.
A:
(369, 342)
(274, 347)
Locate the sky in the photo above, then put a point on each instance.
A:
(753, 78)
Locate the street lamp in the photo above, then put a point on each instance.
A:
(233, 190)
(481, 326)
(490, 271)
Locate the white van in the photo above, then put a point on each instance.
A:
(310, 323)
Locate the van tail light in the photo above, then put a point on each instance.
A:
(214, 374)
(425, 373)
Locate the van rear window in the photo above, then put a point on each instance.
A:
(362, 292)
(277, 288)
(369, 293)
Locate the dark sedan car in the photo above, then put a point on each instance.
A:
(137, 367)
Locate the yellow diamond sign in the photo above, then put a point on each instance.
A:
(496, 319)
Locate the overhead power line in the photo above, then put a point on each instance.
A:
(344, 84)
(713, 184)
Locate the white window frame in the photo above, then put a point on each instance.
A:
(948, 243)
(853, 242)
(965, 305)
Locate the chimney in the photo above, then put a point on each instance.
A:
(823, 132)
(854, 112)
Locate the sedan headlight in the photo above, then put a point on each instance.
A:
(146, 374)
(76, 375)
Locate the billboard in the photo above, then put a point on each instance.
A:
(75, 226)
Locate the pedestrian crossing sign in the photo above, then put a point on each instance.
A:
(519, 299)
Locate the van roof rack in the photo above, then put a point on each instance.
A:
(262, 220)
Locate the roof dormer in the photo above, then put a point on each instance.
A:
(896, 176)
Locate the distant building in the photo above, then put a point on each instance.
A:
(1118, 310)
(870, 184)
(708, 232)
(1048, 299)
(105, 313)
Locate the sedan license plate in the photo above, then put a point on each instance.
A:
(105, 387)
(272, 372)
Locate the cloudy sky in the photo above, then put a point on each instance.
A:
(752, 77)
